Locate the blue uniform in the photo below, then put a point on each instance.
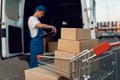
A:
(36, 48)
(36, 45)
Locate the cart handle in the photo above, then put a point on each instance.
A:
(38, 57)
(115, 44)
(52, 57)
(103, 47)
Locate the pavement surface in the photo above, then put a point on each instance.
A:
(13, 69)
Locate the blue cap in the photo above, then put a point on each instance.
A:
(40, 8)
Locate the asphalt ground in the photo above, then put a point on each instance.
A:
(13, 68)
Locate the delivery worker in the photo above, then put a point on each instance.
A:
(36, 30)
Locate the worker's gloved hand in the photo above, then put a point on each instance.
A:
(53, 29)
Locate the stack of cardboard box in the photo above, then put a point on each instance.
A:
(72, 42)
(75, 40)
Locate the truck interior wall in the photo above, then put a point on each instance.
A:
(58, 12)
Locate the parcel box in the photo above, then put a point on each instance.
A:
(46, 40)
(62, 64)
(64, 67)
(41, 74)
(75, 33)
(76, 46)
(52, 46)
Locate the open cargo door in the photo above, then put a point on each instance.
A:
(12, 28)
(88, 13)
(93, 18)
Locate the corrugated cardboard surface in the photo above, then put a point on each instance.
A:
(63, 64)
(75, 33)
(52, 46)
(41, 74)
(76, 46)
(46, 40)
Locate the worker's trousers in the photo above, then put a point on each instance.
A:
(36, 48)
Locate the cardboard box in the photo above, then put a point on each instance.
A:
(76, 46)
(52, 46)
(64, 64)
(46, 40)
(75, 33)
(41, 74)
